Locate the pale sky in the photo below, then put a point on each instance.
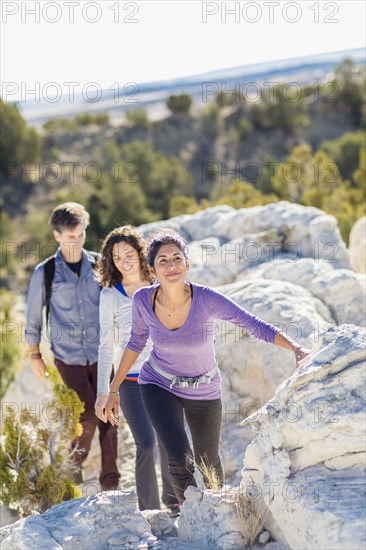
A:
(152, 40)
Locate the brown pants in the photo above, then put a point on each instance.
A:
(83, 379)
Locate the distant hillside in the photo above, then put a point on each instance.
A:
(152, 95)
(308, 149)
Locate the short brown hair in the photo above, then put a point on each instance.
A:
(68, 215)
(107, 272)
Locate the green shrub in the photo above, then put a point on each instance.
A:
(281, 108)
(244, 128)
(186, 205)
(350, 83)
(18, 142)
(85, 119)
(211, 121)
(9, 257)
(10, 341)
(61, 124)
(64, 124)
(35, 460)
(225, 99)
(345, 151)
(179, 103)
(137, 118)
(240, 194)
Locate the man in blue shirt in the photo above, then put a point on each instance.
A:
(73, 330)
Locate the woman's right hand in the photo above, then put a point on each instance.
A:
(39, 367)
(112, 408)
(99, 406)
(300, 354)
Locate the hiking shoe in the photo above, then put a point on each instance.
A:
(174, 510)
(110, 487)
(110, 483)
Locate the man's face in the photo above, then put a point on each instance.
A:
(71, 241)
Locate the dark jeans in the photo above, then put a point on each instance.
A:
(143, 433)
(204, 420)
(83, 379)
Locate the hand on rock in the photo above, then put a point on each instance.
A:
(300, 354)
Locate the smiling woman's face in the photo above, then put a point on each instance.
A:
(170, 264)
(125, 258)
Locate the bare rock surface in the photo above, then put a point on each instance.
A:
(252, 369)
(287, 264)
(307, 461)
(357, 246)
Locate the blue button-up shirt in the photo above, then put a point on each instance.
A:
(74, 311)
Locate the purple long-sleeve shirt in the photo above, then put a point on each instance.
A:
(189, 350)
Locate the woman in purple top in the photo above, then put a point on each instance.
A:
(122, 270)
(181, 374)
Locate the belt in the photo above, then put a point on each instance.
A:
(183, 381)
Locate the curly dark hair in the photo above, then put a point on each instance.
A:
(162, 237)
(107, 272)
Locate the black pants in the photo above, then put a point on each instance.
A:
(144, 436)
(204, 420)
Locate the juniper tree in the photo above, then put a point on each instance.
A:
(35, 454)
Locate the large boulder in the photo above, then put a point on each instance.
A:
(357, 246)
(342, 290)
(210, 521)
(252, 369)
(240, 238)
(306, 464)
(204, 224)
(287, 264)
(104, 521)
(216, 264)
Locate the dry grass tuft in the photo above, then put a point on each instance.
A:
(209, 473)
(252, 516)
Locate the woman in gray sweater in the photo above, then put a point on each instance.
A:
(122, 270)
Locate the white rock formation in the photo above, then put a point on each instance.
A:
(111, 521)
(161, 524)
(341, 290)
(209, 520)
(104, 521)
(307, 462)
(287, 264)
(251, 235)
(252, 370)
(357, 246)
(215, 264)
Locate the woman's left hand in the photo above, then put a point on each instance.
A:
(100, 405)
(112, 408)
(300, 354)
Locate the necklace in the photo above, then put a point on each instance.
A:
(170, 313)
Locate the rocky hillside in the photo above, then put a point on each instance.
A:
(287, 264)
(303, 477)
(184, 137)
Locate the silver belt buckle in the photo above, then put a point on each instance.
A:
(175, 380)
(194, 382)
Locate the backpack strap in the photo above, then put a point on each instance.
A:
(49, 273)
(96, 256)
